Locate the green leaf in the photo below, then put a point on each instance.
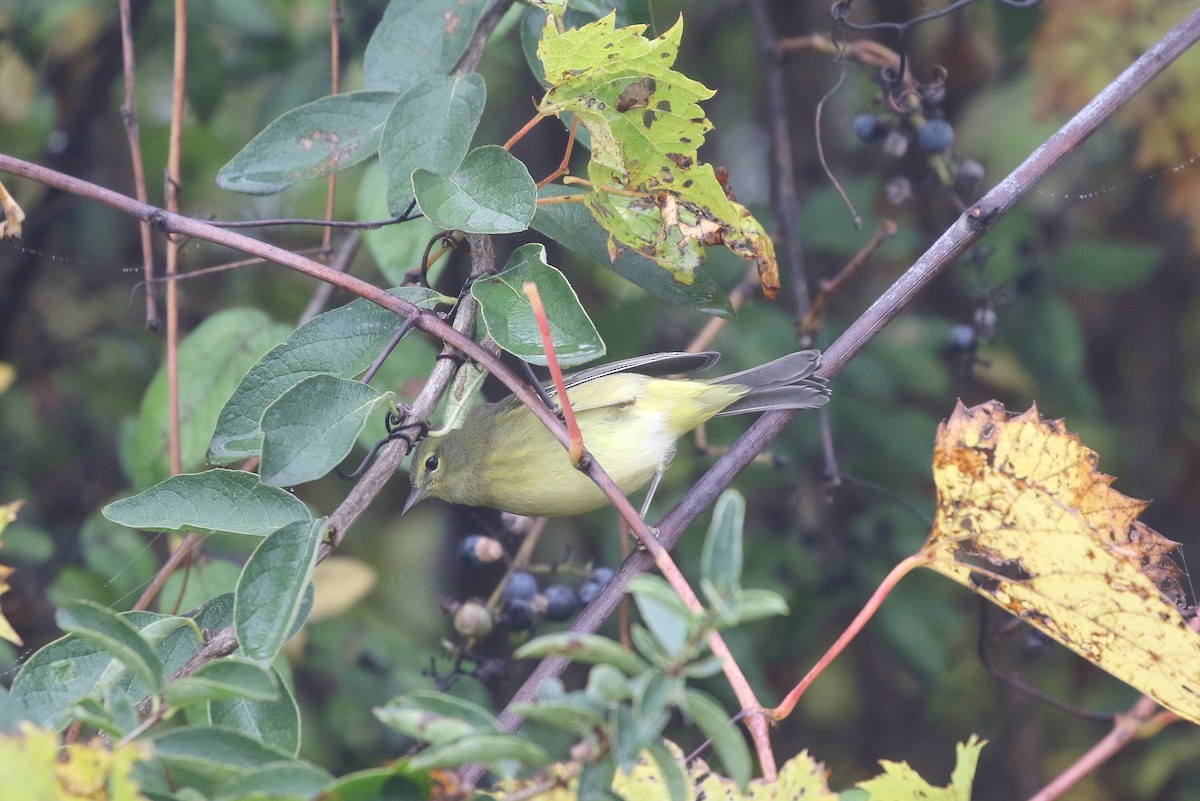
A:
(101, 626)
(435, 717)
(751, 605)
(286, 778)
(397, 248)
(490, 193)
(313, 426)
(233, 501)
(575, 713)
(509, 317)
(63, 672)
(727, 741)
(575, 227)
(226, 678)
(430, 128)
(213, 755)
(271, 591)
(588, 648)
(274, 722)
(343, 342)
(56, 677)
(608, 685)
(315, 140)
(721, 560)
(595, 781)
(1107, 266)
(646, 125)
(486, 749)
(673, 775)
(899, 781)
(663, 613)
(400, 782)
(417, 38)
(212, 360)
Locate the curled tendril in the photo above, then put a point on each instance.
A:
(893, 79)
(841, 15)
(396, 429)
(447, 240)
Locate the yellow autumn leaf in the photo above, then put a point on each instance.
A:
(80, 772)
(1026, 520)
(8, 513)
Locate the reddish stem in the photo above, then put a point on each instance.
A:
(873, 603)
(575, 449)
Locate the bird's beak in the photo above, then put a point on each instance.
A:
(414, 497)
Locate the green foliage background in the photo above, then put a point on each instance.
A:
(1093, 282)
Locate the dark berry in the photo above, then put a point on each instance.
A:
(516, 614)
(560, 602)
(935, 136)
(521, 586)
(588, 591)
(962, 338)
(478, 550)
(868, 127)
(601, 574)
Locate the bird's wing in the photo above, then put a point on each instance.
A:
(652, 364)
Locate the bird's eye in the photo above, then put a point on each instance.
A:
(431, 463)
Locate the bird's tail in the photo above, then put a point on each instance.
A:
(785, 383)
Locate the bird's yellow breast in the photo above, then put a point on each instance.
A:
(630, 424)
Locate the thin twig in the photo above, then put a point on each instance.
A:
(335, 86)
(784, 196)
(133, 134)
(172, 203)
(341, 262)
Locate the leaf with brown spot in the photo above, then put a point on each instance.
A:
(648, 188)
(1026, 520)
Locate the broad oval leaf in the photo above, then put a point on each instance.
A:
(314, 140)
(71, 668)
(313, 426)
(274, 722)
(212, 360)
(417, 38)
(397, 248)
(223, 679)
(286, 778)
(399, 782)
(343, 342)
(102, 627)
(429, 128)
(490, 193)
(272, 589)
(232, 501)
(509, 317)
(214, 754)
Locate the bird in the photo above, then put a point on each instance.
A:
(503, 457)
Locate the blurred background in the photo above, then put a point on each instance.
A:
(1082, 299)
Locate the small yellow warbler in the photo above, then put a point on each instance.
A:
(503, 457)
